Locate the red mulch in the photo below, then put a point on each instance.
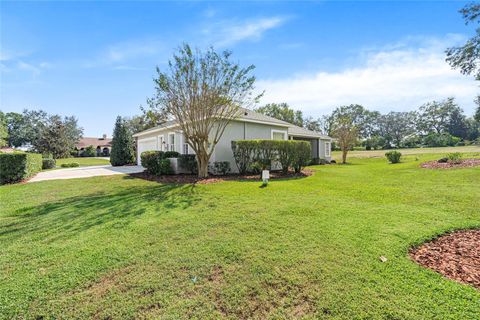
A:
(188, 179)
(455, 255)
(467, 163)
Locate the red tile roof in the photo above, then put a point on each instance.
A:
(95, 142)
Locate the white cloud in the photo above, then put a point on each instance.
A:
(225, 33)
(397, 77)
(133, 49)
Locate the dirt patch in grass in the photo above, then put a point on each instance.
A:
(455, 255)
(193, 179)
(467, 163)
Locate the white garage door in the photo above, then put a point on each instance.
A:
(146, 145)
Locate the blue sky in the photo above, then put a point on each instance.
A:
(96, 60)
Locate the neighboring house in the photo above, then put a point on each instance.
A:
(102, 145)
(249, 125)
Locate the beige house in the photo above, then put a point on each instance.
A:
(249, 125)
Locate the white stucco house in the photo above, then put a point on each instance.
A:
(249, 125)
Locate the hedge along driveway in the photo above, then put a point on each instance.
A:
(85, 172)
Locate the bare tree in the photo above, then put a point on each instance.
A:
(346, 134)
(203, 92)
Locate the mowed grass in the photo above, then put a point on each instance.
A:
(85, 162)
(122, 248)
(442, 151)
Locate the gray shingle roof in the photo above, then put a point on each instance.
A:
(249, 115)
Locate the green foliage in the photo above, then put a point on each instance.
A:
(122, 145)
(440, 140)
(89, 152)
(393, 156)
(257, 155)
(171, 154)
(70, 165)
(18, 166)
(151, 161)
(454, 157)
(165, 167)
(282, 111)
(48, 163)
(221, 167)
(188, 162)
(3, 130)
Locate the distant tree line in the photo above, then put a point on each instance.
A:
(434, 124)
(40, 132)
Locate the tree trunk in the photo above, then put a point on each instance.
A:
(202, 166)
(344, 156)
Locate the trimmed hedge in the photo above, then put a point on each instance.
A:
(393, 156)
(255, 155)
(15, 167)
(188, 162)
(70, 165)
(156, 162)
(48, 163)
(171, 154)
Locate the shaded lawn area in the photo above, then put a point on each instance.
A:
(120, 247)
(85, 162)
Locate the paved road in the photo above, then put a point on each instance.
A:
(84, 172)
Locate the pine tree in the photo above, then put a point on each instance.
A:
(122, 145)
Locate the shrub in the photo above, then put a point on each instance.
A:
(440, 140)
(48, 164)
(70, 165)
(221, 167)
(165, 167)
(442, 160)
(151, 161)
(89, 152)
(393, 156)
(301, 155)
(171, 154)
(188, 162)
(454, 157)
(255, 155)
(15, 167)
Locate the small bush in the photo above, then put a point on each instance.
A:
(48, 164)
(171, 154)
(15, 167)
(165, 167)
(442, 160)
(393, 156)
(221, 167)
(151, 161)
(454, 157)
(188, 162)
(89, 152)
(70, 165)
(333, 162)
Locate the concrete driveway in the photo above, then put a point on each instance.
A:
(84, 172)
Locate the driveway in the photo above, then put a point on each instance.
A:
(85, 172)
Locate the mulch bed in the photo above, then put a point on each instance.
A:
(193, 179)
(467, 163)
(455, 255)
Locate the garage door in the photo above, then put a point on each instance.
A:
(146, 145)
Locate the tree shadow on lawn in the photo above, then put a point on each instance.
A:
(71, 216)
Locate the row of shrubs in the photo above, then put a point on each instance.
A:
(252, 156)
(454, 157)
(18, 166)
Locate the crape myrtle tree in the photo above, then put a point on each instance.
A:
(346, 133)
(122, 144)
(203, 92)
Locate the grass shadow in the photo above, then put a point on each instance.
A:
(71, 216)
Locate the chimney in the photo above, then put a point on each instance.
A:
(104, 136)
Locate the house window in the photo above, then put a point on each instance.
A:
(279, 135)
(327, 149)
(161, 143)
(171, 142)
(185, 148)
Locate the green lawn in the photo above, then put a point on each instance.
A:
(85, 162)
(118, 248)
(381, 153)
